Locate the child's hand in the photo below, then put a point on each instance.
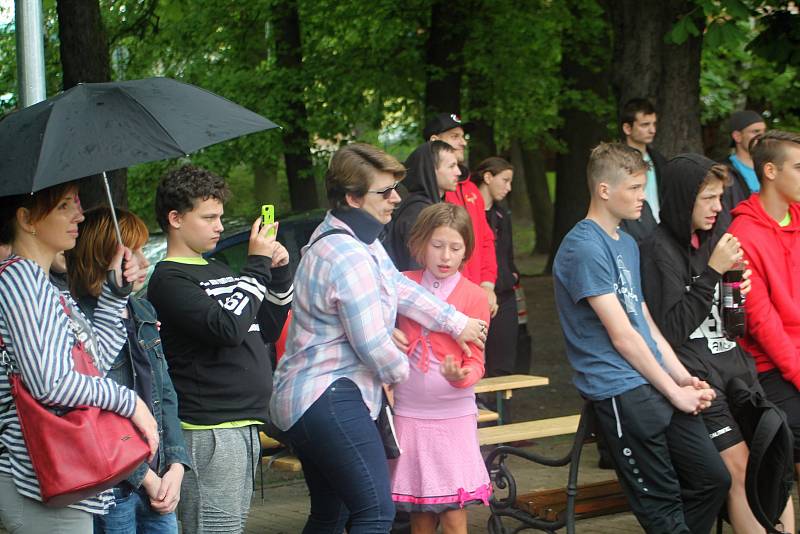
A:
(452, 371)
(400, 340)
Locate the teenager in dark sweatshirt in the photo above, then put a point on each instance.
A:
(682, 266)
(214, 325)
(432, 170)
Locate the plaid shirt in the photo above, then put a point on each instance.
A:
(347, 296)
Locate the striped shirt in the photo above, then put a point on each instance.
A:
(39, 340)
(347, 296)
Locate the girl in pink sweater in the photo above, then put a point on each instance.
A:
(440, 470)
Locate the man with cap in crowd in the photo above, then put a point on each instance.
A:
(745, 126)
(481, 268)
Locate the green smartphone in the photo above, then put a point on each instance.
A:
(268, 216)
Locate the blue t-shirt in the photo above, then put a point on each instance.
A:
(748, 173)
(590, 263)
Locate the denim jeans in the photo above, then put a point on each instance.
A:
(343, 463)
(133, 515)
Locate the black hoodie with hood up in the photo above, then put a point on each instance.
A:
(680, 288)
(420, 183)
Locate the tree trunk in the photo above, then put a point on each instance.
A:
(645, 66)
(679, 128)
(539, 195)
(296, 138)
(481, 142)
(85, 58)
(444, 56)
(479, 95)
(585, 67)
(518, 200)
(638, 31)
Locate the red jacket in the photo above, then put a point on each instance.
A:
(467, 298)
(482, 266)
(773, 304)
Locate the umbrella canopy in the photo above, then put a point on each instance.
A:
(97, 127)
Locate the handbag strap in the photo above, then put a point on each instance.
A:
(5, 359)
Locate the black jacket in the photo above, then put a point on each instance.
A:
(679, 287)
(642, 228)
(422, 191)
(499, 220)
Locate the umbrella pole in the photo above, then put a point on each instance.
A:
(127, 287)
(113, 211)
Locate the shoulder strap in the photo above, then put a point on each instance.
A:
(336, 231)
(3, 268)
(767, 430)
(327, 233)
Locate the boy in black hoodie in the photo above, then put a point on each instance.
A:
(432, 170)
(682, 265)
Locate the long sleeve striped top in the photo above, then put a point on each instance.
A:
(347, 296)
(38, 338)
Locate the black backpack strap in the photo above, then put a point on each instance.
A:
(767, 430)
(327, 233)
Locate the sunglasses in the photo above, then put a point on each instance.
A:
(386, 192)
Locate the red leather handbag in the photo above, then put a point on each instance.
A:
(81, 453)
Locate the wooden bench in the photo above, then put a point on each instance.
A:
(549, 509)
(277, 455)
(504, 387)
(591, 500)
(540, 428)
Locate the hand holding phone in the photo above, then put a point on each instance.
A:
(268, 217)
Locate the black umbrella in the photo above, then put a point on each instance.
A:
(98, 127)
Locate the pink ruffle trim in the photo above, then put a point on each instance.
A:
(462, 497)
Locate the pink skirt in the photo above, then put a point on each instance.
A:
(441, 467)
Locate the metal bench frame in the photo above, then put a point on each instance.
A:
(503, 479)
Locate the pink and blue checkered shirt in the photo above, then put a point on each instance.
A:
(347, 296)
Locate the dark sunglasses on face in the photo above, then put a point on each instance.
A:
(386, 192)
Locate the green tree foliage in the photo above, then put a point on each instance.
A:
(516, 51)
(363, 72)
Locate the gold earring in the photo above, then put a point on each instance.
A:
(33, 232)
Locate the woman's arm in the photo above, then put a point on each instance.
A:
(416, 303)
(357, 296)
(108, 327)
(39, 340)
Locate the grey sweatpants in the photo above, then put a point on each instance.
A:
(215, 494)
(21, 515)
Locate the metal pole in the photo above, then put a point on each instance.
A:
(30, 51)
(113, 209)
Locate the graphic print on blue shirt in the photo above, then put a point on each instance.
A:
(624, 287)
(590, 263)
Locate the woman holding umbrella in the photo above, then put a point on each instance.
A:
(39, 332)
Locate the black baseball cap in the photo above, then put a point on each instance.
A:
(742, 119)
(443, 122)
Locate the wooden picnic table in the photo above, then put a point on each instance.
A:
(504, 387)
